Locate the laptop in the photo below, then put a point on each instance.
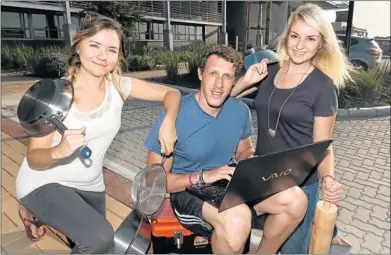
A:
(260, 177)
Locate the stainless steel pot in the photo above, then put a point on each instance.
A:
(44, 106)
(133, 236)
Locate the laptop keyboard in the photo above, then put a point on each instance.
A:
(215, 191)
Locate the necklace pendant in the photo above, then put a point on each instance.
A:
(272, 132)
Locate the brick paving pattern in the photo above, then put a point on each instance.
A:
(362, 161)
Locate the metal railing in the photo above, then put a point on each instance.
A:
(38, 33)
(152, 8)
(73, 4)
(208, 11)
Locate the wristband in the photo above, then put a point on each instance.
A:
(190, 178)
(327, 176)
(202, 177)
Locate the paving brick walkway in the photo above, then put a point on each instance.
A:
(362, 160)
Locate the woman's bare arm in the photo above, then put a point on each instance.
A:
(40, 153)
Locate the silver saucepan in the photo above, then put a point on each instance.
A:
(44, 106)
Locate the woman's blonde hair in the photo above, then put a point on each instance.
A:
(330, 58)
(93, 24)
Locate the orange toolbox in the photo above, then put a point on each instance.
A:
(169, 236)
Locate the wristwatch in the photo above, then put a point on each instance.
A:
(199, 177)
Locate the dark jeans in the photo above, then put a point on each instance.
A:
(299, 241)
(79, 215)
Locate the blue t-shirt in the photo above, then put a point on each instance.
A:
(204, 142)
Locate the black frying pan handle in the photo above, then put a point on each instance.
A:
(84, 151)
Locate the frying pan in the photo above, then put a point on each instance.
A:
(44, 106)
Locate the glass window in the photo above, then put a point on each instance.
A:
(10, 20)
(11, 25)
(39, 21)
(155, 28)
(353, 41)
(40, 26)
(191, 32)
(76, 20)
(141, 36)
(157, 31)
(26, 20)
(59, 21)
(58, 25)
(142, 27)
(186, 32)
(181, 32)
(27, 31)
(199, 33)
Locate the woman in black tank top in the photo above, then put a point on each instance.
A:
(296, 104)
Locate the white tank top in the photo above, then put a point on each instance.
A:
(102, 125)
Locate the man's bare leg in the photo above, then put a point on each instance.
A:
(286, 210)
(231, 228)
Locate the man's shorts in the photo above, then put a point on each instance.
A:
(188, 210)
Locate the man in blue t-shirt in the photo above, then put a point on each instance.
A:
(212, 128)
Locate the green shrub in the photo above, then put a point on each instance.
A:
(171, 63)
(369, 87)
(17, 56)
(50, 64)
(156, 54)
(193, 57)
(349, 96)
(6, 57)
(385, 70)
(48, 61)
(140, 63)
(370, 83)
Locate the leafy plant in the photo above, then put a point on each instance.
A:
(369, 87)
(194, 55)
(140, 63)
(125, 12)
(385, 70)
(50, 64)
(171, 63)
(17, 56)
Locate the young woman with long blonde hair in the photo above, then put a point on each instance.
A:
(55, 185)
(296, 104)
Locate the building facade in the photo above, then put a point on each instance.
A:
(183, 22)
(340, 24)
(255, 23)
(173, 24)
(37, 22)
(170, 24)
(340, 28)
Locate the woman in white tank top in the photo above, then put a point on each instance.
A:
(53, 183)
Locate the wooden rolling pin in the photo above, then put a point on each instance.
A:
(323, 226)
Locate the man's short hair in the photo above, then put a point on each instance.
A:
(227, 53)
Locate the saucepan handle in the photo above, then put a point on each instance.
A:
(84, 151)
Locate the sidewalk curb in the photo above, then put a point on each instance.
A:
(119, 167)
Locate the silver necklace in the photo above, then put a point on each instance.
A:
(272, 132)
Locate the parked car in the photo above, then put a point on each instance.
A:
(385, 45)
(256, 54)
(364, 51)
